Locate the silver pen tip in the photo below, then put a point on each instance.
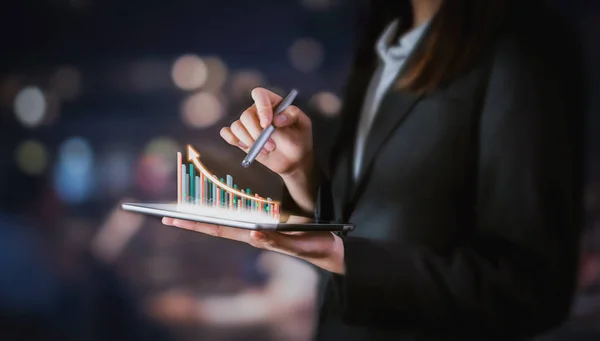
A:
(246, 163)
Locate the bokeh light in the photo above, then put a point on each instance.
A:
(31, 157)
(154, 170)
(162, 146)
(30, 106)
(242, 82)
(217, 73)
(66, 83)
(149, 75)
(74, 174)
(202, 110)
(189, 72)
(116, 170)
(306, 54)
(326, 103)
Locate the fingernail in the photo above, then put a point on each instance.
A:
(165, 221)
(271, 140)
(264, 151)
(270, 146)
(280, 119)
(241, 145)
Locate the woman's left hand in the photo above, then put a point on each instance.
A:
(323, 249)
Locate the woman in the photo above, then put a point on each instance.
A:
(457, 161)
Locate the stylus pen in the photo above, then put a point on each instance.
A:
(264, 136)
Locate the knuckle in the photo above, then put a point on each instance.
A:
(245, 114)
(293, 110)
(246, 117)
(236, 126)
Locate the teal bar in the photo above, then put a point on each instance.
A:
(208, 195)
(192, 182)
(248, 201)
(235, 198)
(210, 192)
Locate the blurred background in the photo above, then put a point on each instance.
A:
(96, 98)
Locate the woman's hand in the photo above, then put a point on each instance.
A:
(323, 249)
(290, 147)
(289, 151)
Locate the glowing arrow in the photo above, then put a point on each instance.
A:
(194, 157)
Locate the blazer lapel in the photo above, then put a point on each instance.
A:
(395, 106)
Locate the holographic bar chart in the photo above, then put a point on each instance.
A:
(198, 187)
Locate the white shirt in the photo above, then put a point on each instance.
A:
(391, 60)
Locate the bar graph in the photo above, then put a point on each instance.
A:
(198, 188)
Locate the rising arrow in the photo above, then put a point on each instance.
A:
(194, 157)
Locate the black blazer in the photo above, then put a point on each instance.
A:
(467, 210)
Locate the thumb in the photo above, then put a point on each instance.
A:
(287, 117)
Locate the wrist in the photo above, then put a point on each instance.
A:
(305, 170)
(302, 184)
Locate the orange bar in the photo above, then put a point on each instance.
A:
(178, 177)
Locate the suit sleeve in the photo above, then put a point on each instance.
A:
(516, 271)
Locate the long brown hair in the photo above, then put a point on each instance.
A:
(458, 35)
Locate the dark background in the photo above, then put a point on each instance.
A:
(109, 126)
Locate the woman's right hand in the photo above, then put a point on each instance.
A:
(290, 148)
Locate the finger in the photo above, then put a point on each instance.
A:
(240, 132)
(264, 101)
(249, 119)
(210, 229)
(274, 241)
(288, 117)
(228, 136)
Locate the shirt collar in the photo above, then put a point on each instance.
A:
(404, 44)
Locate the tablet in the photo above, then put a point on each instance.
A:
(244, 220)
